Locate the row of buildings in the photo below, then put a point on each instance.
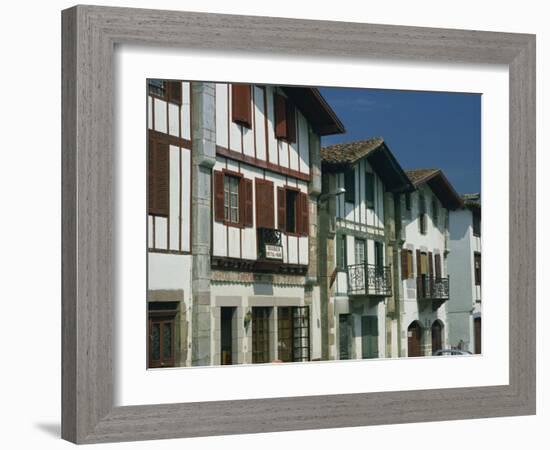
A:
(265, 247)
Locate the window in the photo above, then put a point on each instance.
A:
(293, 333)
(241, 104)
(477, 223)
(408, 201)
(422, 214)
(165, 90)
(341, 248)
(379, 255)
(292, 211)
(435, 211)
(158, 170)
(407, 264)
(359, 251)
(349, 185)
(285, 119)
(260, 335)
(233, 199)
(369, 190)
(477, 268)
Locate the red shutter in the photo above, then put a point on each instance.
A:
(158, 178)
(265, 206)
(151, 177)
(404, 264)
(241, 104)
(438, 266)
(303, 213)
(280, 117)
(281, 209)
(219, 215)
(246, 215)
(291, 122)
(418, 274)
(173, 89)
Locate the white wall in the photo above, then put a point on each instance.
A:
(252, 141)
(236, 242)
(33, 408)
(433, 241)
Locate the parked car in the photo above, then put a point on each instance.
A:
(451, 352)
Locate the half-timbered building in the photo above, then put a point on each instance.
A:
(168, 223)
(356, 249)
(234, 175)
(425, 282)
(465, 265)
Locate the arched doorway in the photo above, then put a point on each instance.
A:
(437, 336)
(477, 335)
(414, 339)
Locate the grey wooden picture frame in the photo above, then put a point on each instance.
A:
(90, 34)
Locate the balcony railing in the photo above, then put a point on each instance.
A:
(368, 279)
(269, 244)
(432, 288)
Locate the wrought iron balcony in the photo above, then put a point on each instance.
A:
(432, 288)
(269, 244)
(368, 279)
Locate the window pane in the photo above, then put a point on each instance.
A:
(155, 342)
(167, 340)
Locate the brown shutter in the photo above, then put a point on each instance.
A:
(438, 266)
(280, 117)
(404, 264)
(281, 209)
(418, 274)
(158, 178)
(173, 89)
(241, 104)
(291, 122)
(219, 215)
(431, 271)
(151, 177)
(247, 204)
(303, 213)
(265, 212)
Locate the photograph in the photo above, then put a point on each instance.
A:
(300, 224)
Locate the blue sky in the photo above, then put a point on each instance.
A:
(422, 129)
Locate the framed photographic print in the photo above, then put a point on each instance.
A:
(265, 230)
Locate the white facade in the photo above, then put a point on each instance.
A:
(423, 311)
(359, 325)
(465, 308)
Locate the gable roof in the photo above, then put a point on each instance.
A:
(313, 105)
(439, 184)
(339, 157)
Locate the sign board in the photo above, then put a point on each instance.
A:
(273, 251)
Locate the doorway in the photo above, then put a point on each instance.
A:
(437, 336)
(414, 339)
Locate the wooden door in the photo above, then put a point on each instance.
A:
(345, 335)
(284, 334)
(161, 341)
(414, 338)
(437, 336)
(477, 335)
(260, 335)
